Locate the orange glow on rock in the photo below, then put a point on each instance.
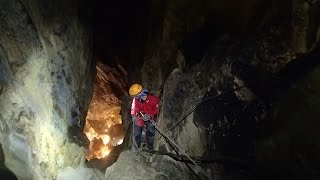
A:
(103, 122)
(105, 151)
(105, 138)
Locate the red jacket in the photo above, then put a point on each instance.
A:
(149, 106)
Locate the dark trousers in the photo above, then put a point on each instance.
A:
(137, 135)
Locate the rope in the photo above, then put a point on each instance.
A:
(195, 107)
(177, 149)
(199, 159)
(174, 145)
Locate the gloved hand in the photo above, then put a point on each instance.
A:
(134, 119)
(146, 117)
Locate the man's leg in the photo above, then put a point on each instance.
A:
(137, 131)
(150, 135)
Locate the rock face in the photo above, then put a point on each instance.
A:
(46, 72)
(199, 57)
(174, 107)
(130, 166)
(189, 52)
(287, 149)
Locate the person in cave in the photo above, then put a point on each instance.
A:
(144, 108)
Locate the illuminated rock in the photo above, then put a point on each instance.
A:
(45, 67)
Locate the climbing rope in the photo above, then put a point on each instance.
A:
(195, 107)
(173, 145)
(176, 148)
(199, 159)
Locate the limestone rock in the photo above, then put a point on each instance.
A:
(130, 166)
(44, 72)
(180, 95)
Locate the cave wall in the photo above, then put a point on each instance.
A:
(46, 72)
(186, 51)
(289, 145)
(280, 30)
(248, 46)
(265, 39)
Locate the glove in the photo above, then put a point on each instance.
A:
(146, 117)
(134, 119)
